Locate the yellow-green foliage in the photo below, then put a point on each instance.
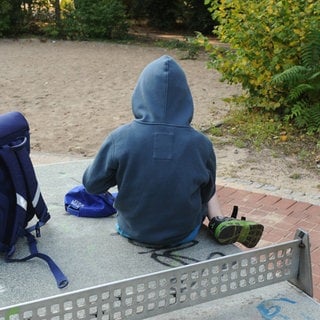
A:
(264, 38)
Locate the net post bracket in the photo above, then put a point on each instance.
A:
(304, 276)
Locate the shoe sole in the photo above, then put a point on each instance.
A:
(246, 232)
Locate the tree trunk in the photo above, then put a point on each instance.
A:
(57, 13)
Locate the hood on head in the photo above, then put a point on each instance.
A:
(162, 94)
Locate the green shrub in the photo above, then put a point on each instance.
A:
(196, 17)
(262, 38)
(170, 15)
(163, 14)
(19, 17)
(5, 8)
(301, 85)
(12, 18)
(70, 27)
(101, 18)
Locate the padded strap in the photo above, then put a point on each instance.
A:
(32, 186)
(12, 164)
(59, 276)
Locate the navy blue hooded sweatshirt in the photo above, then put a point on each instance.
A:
(164, 169)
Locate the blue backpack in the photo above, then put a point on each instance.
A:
(20, 196)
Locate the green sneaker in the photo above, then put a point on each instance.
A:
(230, 230)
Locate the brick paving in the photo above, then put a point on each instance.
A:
(281, 218)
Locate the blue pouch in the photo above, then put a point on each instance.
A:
(80, 203)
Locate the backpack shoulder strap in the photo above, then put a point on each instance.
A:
(59, 276)
(20, 222)
(33, 193)
(28, 194)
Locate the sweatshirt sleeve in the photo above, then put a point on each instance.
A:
(101, 174)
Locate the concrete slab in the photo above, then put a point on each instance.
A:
(90, 253)
(275, 302)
